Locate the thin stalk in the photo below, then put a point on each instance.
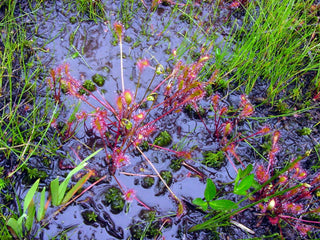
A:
(163, 181)
(121, 64)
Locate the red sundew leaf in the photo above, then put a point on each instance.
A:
(119, 103)
(316, 180)
(275, 138)
(118, 28)
(142, 64)
(181, 209)
(274, 220)
(303, 229)
(265, 130)
(262, 174)
(127, 97)
(215, 99)
(227, 129)
(130, 195)
(247, 110)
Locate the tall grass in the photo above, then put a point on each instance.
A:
(275, 45)
(24, 118)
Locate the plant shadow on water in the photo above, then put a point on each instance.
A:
(189, 129)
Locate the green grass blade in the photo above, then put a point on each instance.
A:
(64, 184)
(30, 216)
(76, 187)
(16, 226)
(54, 189)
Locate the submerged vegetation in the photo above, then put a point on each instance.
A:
(172, 115)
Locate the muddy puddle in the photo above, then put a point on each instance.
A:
(92, 48)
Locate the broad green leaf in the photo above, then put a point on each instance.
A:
(30, 195)
(210, 191)
(16, 226)
(30, 216)
(244, 185)
(247, 171)
(41, 209)
(54, 189)
(76, 187)
(223, 205)
(199, 202)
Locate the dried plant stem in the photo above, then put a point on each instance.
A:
(154, 168)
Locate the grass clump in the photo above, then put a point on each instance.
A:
(276, 45)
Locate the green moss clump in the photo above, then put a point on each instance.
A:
(147, 215)
(89, 216)
(113, 197)
(163, 139)
(73, 20)
(144, 146)
(150, 227)
(136, 232)
(214, 160)
(89, 85)
(147, 182)
(175, 164)
(161, 188)
(282, 107)
(33, 173)
(194, 113)
(98, 79)
(304, 131)
(167, 177)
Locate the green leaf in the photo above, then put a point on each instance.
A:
(238, 176)
(244, 185)
(54, 189)
(30, 216)
(41, 210)
(64, 184)
(16, 226)
(210, 191)
(76, 187)
(247, 171)
(199, 202)
(30, 195)
(223, 205)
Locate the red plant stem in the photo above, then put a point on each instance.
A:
(234, 166)
(245, 138)
(204, 124)
(123, 192)
(163, 148)
(297, 219)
